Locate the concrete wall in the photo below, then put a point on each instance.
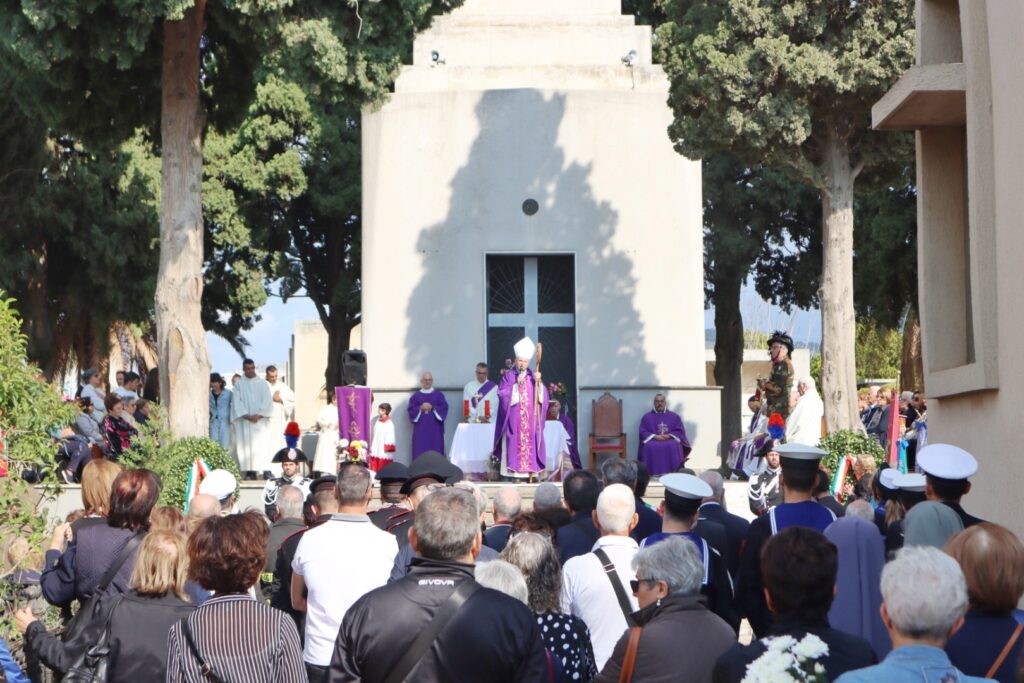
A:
(308, 362)
(973, 370)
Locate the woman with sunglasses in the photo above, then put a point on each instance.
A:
(667, 587)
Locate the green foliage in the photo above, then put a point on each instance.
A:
(29, 409)
(175, 461)
(879, 351)
(845, 442)
(770, 80)
(152, 439)
(816, 369)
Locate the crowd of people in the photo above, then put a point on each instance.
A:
(442, 582)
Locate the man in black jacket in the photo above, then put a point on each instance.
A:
(580, 490)
(798, 567)
(736, 527)
(491, 637)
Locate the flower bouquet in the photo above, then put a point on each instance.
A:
(352, 451)
(557, 390)
(788, 660)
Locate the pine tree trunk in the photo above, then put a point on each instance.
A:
(838, 327)
(729, 358)
(181, 340)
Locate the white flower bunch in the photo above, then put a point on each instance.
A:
(788, 660)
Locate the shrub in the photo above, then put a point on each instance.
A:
(174, 462)
(846, 442)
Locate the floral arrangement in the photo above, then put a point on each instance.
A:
(557, 390)
(788, 660)
(352, 451)
(494, 466)
(776, 426)
(843, 447)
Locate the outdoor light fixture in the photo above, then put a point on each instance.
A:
(436, 57)
(629, 59)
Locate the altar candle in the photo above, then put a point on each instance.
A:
(465, 408)
(487, 408)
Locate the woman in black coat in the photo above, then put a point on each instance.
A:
(139, 620)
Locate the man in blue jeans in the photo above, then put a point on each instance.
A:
(924, 599)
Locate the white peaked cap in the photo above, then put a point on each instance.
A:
(889, 478)
(911, 481)
(946, 461)
(686, 485)
(524, 348)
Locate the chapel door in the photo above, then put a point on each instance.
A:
(534, 296)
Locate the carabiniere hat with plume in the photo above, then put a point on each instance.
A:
(783, 339)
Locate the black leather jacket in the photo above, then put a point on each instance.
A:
(493, 637)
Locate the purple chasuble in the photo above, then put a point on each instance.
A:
(662, 457)
(574, 449)
(521, 425)
(427, 428)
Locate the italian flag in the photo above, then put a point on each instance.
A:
(196, 475)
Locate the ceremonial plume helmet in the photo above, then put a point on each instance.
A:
(524, 348)
(783, 339)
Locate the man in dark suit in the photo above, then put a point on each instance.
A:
(580, 491)
(799, 568)
(711, 510)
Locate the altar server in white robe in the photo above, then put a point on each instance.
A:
(252, 407)
(326, 458)
(481, 395)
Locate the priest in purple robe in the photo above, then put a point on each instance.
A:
(663, 442)
(427, 411)
(521, 415)
(555, 413)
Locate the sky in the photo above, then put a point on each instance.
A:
(271, 337)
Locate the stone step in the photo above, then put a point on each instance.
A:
(611, 77)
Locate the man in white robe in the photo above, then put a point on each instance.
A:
(804, 422)
(481, 395)
(284, 405)
(252, 407)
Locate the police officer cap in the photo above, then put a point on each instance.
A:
(431, 467)
(393, 471)
(218, 483)
(800, 456)
(888, 478)
(946, 462)
(686, 486)
(328, 481)
(290, 455)
(911, 481)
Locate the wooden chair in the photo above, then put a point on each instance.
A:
(607, 435)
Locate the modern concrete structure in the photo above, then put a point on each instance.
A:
(307, 360)
(963, 98)
(520, 180)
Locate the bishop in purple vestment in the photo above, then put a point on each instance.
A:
(521, 417)
(427, 411)
(663, 442)
(555, 413)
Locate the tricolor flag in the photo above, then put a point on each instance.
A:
(839, 478)
(196, 475)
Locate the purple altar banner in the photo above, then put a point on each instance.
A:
(354, 405)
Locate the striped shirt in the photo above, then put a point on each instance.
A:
(242, 640)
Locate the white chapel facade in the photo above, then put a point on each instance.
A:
(520, 181)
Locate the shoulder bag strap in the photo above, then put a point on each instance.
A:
(427, 636)
(119, 561)
(620, 592)
(204, 667)
(1006, 650)
(629, 662)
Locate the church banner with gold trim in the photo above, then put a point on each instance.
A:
(354, 405)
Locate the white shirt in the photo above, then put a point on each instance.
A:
(340, 561)
(125, 393)
(588, 594)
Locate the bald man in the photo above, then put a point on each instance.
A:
(427, 412)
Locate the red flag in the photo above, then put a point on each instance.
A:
(894, 430)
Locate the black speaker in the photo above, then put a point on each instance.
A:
(353, 367)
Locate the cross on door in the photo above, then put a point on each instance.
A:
(531, 319)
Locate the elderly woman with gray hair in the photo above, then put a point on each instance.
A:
(679, 638)
(565, 635)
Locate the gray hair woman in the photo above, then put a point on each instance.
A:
(667, 587)
(565, 635)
